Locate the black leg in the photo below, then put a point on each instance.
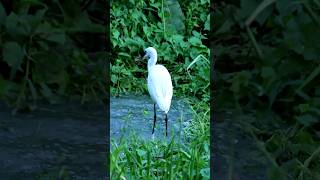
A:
(166, 125)
(154, 117)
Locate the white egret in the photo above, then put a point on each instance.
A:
(159, 85)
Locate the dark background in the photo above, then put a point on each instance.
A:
(54, 89)
(51, 50)
(266, 87)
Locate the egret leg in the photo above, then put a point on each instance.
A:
(166, 125)
(154, 117)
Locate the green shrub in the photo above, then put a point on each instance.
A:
(135, 25)
(267, 66)
(46, 51)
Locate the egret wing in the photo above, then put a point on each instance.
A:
(160, 86)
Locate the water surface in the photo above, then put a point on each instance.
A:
(134, 115)
(68, 139)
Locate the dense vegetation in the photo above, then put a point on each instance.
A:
(179, 31)
(139, 24)
(266, 63)
(267, 70)
(51, 50)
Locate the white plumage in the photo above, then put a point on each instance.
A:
(160, 87)
(159, 84)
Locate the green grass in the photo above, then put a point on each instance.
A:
(134, 158)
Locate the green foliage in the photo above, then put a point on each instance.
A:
(267, 63)
(178, 30)
(139, 24)
(47, 49)
(133, 158)
(140, 159)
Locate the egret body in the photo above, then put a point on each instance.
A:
(159, 85)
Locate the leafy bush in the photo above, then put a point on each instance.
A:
(136, 25)
(268, 68)
(50, 50)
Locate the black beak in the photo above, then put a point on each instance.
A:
(140, 57)
(142, 54)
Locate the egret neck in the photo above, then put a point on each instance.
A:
(152, 60)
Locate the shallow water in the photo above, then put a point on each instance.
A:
(235, 152)
(134, 115)
(68, 139)
(72, 138)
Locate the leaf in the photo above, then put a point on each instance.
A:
(10, 89)
(3, 14)
(307, 120)
(263, 17)
(45, 90)
(312, 76)
(286, 7)
(124, 54)
(33, 90)
(303, 108)
(195, 41)
(274, 142)
(274, 173)
(175, 19)
(82, 23)
(58, 37)
(273, 91)
(225, 27)
(49, 33)
(17, 25)
(116, 34)
(13, 54)
(50, 68)
(207, 23)
(205, 172)
(268, 72)
(303, 137)
(206, 147)
(114, 78)
(179, 40)
(40, 15)
(135, 15)
(141, 152)
(259, 9)
(198, 35)
(240, 80)
(247, 7)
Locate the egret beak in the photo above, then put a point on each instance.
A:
(138, 58)
(141, 57)
(144, 57)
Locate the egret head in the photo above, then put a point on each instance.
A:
(150, 53)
